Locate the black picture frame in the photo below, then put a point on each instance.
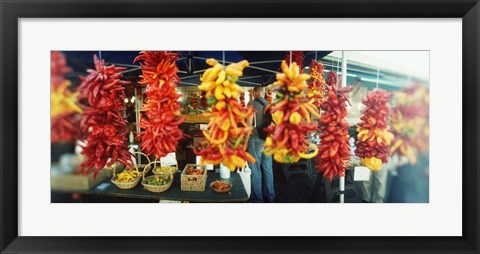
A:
(11, 11)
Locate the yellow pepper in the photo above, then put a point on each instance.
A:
(372, 163)
(295, 118)
(220, 105)
(277, 117)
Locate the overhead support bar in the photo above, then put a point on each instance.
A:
(130, 70)
(248, 82)
(264, 62)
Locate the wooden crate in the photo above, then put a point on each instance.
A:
(193, 182)
(60, 181)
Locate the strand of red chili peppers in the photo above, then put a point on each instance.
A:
(373, 145)
(332, 79)
(161, 116)
(203, 100)
(102, 121)
(297, 57)
(316, 87)
(334, 150)
(58, 68)
(227, 130)
(64, 108)
(287, 142)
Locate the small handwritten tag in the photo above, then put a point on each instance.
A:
(170, 159)
(362, 174)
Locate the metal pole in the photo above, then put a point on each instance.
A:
(316, 55)
(344, 69)
(189, 61)
(100, 55)
(344, 84)
(290, 57)
(378, 75)
(223, 55)
(342, 189)
(137, 120)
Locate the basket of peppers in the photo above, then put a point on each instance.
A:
(128, 178)
(157, 182)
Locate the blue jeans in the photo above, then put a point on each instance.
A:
(262, 175)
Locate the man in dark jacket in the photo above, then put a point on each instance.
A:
(262, 175)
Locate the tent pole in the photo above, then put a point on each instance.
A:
(344, 69)
(378, 75)
(344, 84)
(189, 62)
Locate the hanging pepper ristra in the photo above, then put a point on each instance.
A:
(316, 87)
(410, 122)
(161, 117)
(227, 130)
(102, 123)
(287, 142)
(297, 57)
(64, 107)
(334, 151)
(373, 145)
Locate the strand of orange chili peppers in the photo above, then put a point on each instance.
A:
(161, 112)
(316, 87)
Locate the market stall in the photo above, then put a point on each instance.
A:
(141, 125)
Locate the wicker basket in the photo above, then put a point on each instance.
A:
(193, 182)
(130, 185)
(161, 164)
(155, 188)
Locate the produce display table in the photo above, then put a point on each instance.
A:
(174, 193)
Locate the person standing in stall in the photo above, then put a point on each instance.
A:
(262, 175)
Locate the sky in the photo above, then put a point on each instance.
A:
(415, 60)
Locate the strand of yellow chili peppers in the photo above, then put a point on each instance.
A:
(227, 130)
